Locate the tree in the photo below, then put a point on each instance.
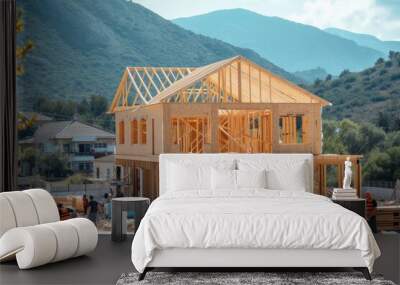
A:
(53, 165)
(27, 159)
(23, 49)
(383, 165)
(392, 139)
(380, 61)
(98, 104)
(371, 137)
(383, 121)
(317, 82)
(331, 139)
(26, 126)
(349, 136)
(376, 167)
(344, 73)
(393, 55)
(83, 107)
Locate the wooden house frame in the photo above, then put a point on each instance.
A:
(232, 105)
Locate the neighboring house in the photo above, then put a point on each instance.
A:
(79, 142)
(105, 169)
(38, 118)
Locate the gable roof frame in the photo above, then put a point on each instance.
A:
(184, 81)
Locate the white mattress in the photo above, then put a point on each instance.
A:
(250, 219)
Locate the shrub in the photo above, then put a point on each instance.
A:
(379, 61)
(317, 82)
(382, 72)
(335, 83)
(344, 73)
(395, 76)
(378, 98)
(388, 64)
(350, 79)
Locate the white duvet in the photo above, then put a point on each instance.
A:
(250, 219)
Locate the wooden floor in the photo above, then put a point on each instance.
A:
(111, 259)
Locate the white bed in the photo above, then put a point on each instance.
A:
(198, 223)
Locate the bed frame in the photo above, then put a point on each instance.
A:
(242, 259)
(249, 259)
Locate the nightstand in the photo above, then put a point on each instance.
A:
(120, 208)
(356, 205)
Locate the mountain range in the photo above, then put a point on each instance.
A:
(365, 96)
(82, 47)
(293, 46)
(366, 40)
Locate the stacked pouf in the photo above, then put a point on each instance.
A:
(31, 230)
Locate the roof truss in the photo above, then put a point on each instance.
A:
(140, 84)
(234, 79)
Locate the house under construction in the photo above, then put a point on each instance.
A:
(232, 105)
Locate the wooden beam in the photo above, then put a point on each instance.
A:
(250, 95)
(158, 77)
(239, 80)
(136, 87)
(151, 80)
(144, 84)
(166, 76)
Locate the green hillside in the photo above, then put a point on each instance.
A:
(371, 95)
(293, 46)
(366, 40)
(82, 47)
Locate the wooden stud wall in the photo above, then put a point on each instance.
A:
(150, 177)
(310, 114)
(247, 131)
(190, 133)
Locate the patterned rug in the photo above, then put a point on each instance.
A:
(242, 278)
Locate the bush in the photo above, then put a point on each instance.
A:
(388, 64)
(350, 79)
(395, 76)
(379, 61)
(317, 82)
(335, 83)
(344, 73)
(378, 98)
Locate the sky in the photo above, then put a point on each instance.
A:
(380, 18)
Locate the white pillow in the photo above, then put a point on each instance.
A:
(223, 179)
(294, 179)
(251, 178)
(282, 174)
(188, 177)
